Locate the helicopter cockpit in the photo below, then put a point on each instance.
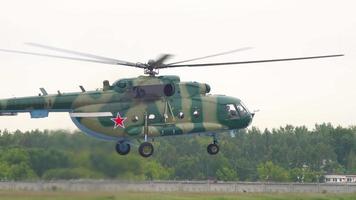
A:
(236, 111)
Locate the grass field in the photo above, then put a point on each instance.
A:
(6, 195)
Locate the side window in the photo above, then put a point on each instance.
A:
(135, 119)
(151, 116)
(196, 113)
(180, 115)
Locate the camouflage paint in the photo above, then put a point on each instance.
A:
(134, 98)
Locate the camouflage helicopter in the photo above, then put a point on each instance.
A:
(144, 107)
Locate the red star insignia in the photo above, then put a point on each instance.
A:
(119, 121)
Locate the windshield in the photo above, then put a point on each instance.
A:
(244, 106)
(236, 110)
(242, 110)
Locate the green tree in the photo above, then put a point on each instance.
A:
(154, 171)
(71, 173)
(270, 172)
(42, 160)
(4, 171)
(226, 174)
(351, 162)
(292, 151)
(17, 163)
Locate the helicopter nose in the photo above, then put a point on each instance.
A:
(250, 118)
(252, 115)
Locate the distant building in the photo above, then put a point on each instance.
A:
(340, 179)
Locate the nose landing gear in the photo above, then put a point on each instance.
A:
(213, 148)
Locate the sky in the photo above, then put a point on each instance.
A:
(297, 93)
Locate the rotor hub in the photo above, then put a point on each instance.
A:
(151, 72)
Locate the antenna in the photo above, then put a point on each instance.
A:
(81, 88)
(44, 92)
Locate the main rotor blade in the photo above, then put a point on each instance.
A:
(252, 61)
(213, 55)
(161, 59)
(62, 57)
(102, 58)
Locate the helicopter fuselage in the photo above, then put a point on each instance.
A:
(132, 108)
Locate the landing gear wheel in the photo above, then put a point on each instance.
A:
(122, 148)
(146, 149)
(213, 149)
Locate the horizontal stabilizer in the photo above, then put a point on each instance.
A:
(39, 113)
(8, 113)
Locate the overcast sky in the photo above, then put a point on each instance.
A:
(297, 93)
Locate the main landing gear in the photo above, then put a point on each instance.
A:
(122, 147)
(213, 148)
(145, 149)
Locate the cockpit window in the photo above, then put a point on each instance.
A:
(244, 106)
(236, 110)
(231, 110)
(242, 111)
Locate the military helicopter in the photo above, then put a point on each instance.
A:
(144, 107)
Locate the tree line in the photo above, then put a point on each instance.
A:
(288, 153)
